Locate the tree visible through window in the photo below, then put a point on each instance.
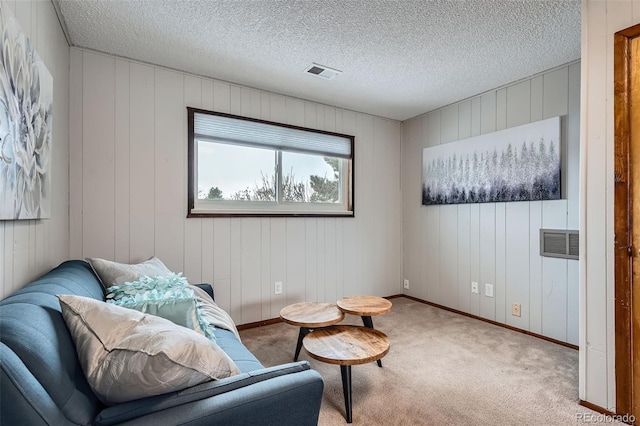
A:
(323, 189)
(252, 167)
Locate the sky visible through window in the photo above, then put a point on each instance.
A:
(233, 168)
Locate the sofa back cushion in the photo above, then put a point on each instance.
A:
(33, 328)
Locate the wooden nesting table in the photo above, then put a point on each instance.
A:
(346, 345)
(365, 307)
(309, 316)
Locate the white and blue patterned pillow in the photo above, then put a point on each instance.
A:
(167, 296)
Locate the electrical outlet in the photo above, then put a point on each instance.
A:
(515, 309)
(278, 287)
(488, 290)
(474, 287)
(405, 283)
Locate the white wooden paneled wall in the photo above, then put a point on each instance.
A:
(128, 191)
(29, 248)
(600, 21)
(445, 248)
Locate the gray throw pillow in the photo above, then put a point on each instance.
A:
(115, 273)
(127, 355)
(211, 313)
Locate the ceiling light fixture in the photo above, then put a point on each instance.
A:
(322, 71)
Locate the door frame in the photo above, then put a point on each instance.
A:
(623, 245)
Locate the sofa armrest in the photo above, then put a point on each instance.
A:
(284, 394)
(208, 288)
(22, 398)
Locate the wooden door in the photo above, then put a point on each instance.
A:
(627, 219)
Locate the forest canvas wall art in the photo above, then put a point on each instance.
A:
(516, 164)
(26, 106)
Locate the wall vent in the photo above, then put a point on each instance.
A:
(559, 243)
(322, 71)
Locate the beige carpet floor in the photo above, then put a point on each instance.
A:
(443, 369)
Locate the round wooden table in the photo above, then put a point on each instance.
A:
(309, 316)
(346, 345)
(365, 307)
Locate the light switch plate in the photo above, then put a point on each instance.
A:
(488, 290)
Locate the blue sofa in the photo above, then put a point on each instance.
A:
(42, 383)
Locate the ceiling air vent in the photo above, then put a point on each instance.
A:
(322, 71)
(559, 243)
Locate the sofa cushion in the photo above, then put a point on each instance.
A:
(115, 273)
(168, 296)
(127, 355)
(134, 409)
(244, 360)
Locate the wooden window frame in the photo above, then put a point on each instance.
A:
(192, 181)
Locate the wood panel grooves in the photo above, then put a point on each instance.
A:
(445, 248)
(28, 248)
(316, 259)
(499, 324)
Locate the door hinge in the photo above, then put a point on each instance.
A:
(630, 251)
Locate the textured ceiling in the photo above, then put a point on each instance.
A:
(399, 58)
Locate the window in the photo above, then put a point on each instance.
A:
(249, 167)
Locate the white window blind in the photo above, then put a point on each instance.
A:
(230, 130)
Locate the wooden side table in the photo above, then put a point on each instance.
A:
(365, 307)
(346, 345)
(309, 316)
